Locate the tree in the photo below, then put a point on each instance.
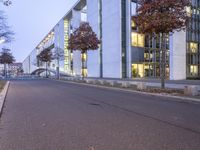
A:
(6, 35)
(162, 17)
(20, 71)
(58, 55)
(6, 2)
(83, 39)
(45, 56)
(6, 57)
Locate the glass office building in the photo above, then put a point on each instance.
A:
(123, 52)
(193, 41)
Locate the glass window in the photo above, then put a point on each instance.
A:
(84, 56)
(157, 41)
(138, 70)
(146, 56)
(193, 47)
(133, 25)
(189, 11)
(137, 39)
(194, 70)
(84, 72)
(133, 8)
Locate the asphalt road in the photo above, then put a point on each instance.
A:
(51, 115)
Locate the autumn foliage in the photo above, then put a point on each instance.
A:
(45, 56)
(83, 39)
(162, 16)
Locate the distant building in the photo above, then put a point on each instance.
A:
(15, 69)
(1, 69)
(124, 53)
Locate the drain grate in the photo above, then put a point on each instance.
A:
(94, 104)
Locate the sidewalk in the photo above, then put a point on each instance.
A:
(3, 94)
(172, 84)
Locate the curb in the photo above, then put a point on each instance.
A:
(178, 98)
(3, 95)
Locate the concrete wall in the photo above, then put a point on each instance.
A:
(178, 56)
(33, 60)
(59, 43)
(76, 19)
(30, 63)
(93, 63)
(26, 64)
(128, 38)
(111, 16)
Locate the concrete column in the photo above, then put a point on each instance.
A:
(111, 30)
(93, 64)
(128, 47)
(76, 19)
(178, 56)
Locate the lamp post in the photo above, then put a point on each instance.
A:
(58, 57)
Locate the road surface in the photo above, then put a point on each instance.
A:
(51, 115)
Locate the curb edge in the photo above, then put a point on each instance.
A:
(179, 98)
(3, 95)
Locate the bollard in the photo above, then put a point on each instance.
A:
(141, 86)
(125, 84)
(191, 91)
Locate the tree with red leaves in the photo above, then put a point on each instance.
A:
(45, 56)
(162, 17)
(83, 39)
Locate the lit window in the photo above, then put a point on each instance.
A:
(133, 25)
(189, 11)
(84, 72)
(193, 47)
(138, 70)
(193, 70)
(137, 39)
(146, 56)
(71, 56)
(133, 8)
(84, 56)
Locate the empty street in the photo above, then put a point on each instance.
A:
(52, 115)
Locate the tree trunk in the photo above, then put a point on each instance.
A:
(46, 69)
(5, 74)
(163, 60)
(82, 64)
(58, 69)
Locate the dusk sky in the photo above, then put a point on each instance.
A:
(31, 20)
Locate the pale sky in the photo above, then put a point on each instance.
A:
(31, 20)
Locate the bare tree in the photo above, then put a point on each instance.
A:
(6, 2)
(6, 35)
(58, 55)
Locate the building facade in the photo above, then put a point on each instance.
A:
(15, 69)
(123, 52)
